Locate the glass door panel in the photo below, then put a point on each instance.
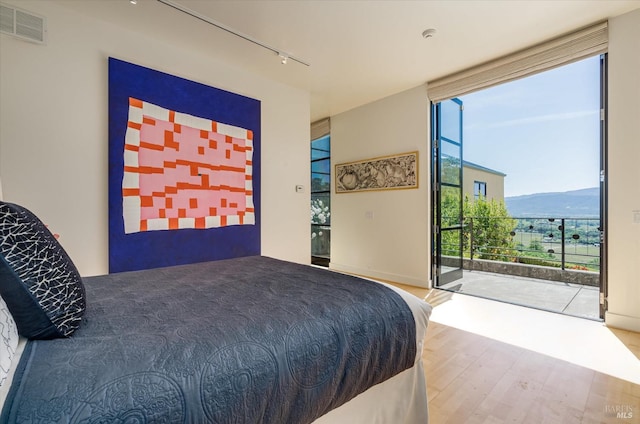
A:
(447, 191)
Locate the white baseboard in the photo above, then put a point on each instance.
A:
(370, 273)
(624, 322)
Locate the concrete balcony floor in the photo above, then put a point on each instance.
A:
(565, 298)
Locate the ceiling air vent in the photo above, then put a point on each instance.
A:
(22, 24)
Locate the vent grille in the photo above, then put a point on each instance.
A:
(7, 20)
(22, 24)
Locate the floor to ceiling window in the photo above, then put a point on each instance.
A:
(321, 200)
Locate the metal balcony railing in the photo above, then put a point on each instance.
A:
(566, 243)
(320, 240)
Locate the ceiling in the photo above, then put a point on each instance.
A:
(358, 51)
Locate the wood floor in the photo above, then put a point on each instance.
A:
(477, 379)
(474, 379)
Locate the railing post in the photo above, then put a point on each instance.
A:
(471, 239)
(563, 243)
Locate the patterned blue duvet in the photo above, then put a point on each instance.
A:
(247, 340)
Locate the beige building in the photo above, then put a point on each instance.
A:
(480, 181)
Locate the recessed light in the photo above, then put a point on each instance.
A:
(428, 33)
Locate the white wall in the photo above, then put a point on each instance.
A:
(53, 131)
(624, 172)
(394, 245)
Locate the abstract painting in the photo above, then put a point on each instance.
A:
(183, 170)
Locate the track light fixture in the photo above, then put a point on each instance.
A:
(284, 57)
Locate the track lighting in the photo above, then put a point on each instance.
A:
(284, 57)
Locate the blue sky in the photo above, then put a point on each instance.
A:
(542, 131)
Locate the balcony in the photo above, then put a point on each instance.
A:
(565, 298)
(557, 249)
(547, 263)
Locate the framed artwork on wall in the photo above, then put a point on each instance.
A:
(382, 173)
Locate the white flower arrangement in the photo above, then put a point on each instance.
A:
(320, 232)
(319, 212)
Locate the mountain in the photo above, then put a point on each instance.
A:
(569, 204)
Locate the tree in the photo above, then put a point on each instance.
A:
(535, 244)
(487, 223)
(489, 227)
(450, 211)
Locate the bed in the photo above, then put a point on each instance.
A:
(245, 340)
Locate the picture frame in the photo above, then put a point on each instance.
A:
(393, 172)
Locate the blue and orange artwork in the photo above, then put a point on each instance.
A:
(183, 171)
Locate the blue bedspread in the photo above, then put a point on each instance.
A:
(247, 340)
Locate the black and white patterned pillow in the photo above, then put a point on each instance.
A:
(38, 280)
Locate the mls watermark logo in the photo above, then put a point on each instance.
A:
(624, 412)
